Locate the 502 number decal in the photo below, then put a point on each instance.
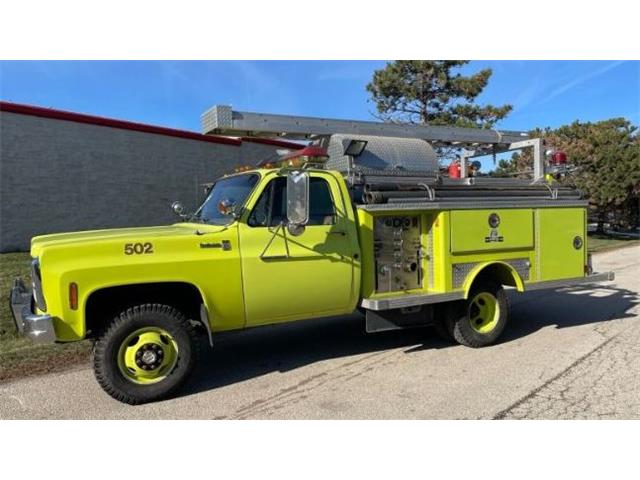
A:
(138, 248)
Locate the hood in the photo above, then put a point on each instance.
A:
(138, 233)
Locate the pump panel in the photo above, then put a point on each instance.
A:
(397, 253)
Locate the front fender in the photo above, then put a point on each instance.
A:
(185, 258)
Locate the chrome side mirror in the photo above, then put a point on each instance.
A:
(178, 209)
(297, 202)
(226, 206)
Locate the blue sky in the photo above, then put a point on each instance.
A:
(175, 93)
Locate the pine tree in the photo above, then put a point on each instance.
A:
(431, 92)
(606, 157)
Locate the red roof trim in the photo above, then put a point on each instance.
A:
(109, 122)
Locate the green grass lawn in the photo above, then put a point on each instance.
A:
(18, 356)
(600, 243)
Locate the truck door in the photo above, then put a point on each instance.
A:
(288, 277)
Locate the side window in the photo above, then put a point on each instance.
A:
(321, 208)
(271, 208)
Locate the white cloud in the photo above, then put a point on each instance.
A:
(582, 79)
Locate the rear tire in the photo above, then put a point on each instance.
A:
(145, 354)
(444, 316)
(483, 317)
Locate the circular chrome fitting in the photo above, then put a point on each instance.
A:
(494, 220)
(577, 242)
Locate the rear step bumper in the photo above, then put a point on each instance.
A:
(593, 278)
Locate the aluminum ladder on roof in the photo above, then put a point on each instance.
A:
(222, 119)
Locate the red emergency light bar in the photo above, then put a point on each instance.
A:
(310, 154)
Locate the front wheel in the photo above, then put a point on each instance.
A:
(484, 316)
(145, 354)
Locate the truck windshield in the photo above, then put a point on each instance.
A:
(236, 189)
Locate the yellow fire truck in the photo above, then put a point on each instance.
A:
(361, 217)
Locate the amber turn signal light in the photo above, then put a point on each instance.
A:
(73, 296)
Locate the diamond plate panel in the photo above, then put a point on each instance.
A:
(219, 116)
(383, 154)
(522, 266)
(460, 271)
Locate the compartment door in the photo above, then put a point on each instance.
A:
(558, 256)
(491, 230)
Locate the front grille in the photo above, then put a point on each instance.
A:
(36, 282)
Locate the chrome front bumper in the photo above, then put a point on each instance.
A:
(38, 328)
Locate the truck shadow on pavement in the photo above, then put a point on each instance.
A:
(568, 307)
(280, 348)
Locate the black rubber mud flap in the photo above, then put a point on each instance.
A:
(396, 319)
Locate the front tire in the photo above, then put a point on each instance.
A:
(483, 317)
(145, 354)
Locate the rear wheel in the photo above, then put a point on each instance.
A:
(444, 316)
(483, 317)
(145, 354)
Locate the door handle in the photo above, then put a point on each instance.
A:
(336, 232)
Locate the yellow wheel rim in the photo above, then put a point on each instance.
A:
(147, 355)
(484, 312)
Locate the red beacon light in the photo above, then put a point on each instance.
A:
(454, 169)
(558, 166)
(559, 158)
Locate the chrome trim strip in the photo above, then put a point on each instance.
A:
(597, 277)
(36, 281)
(409, 300)
(468, 205)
